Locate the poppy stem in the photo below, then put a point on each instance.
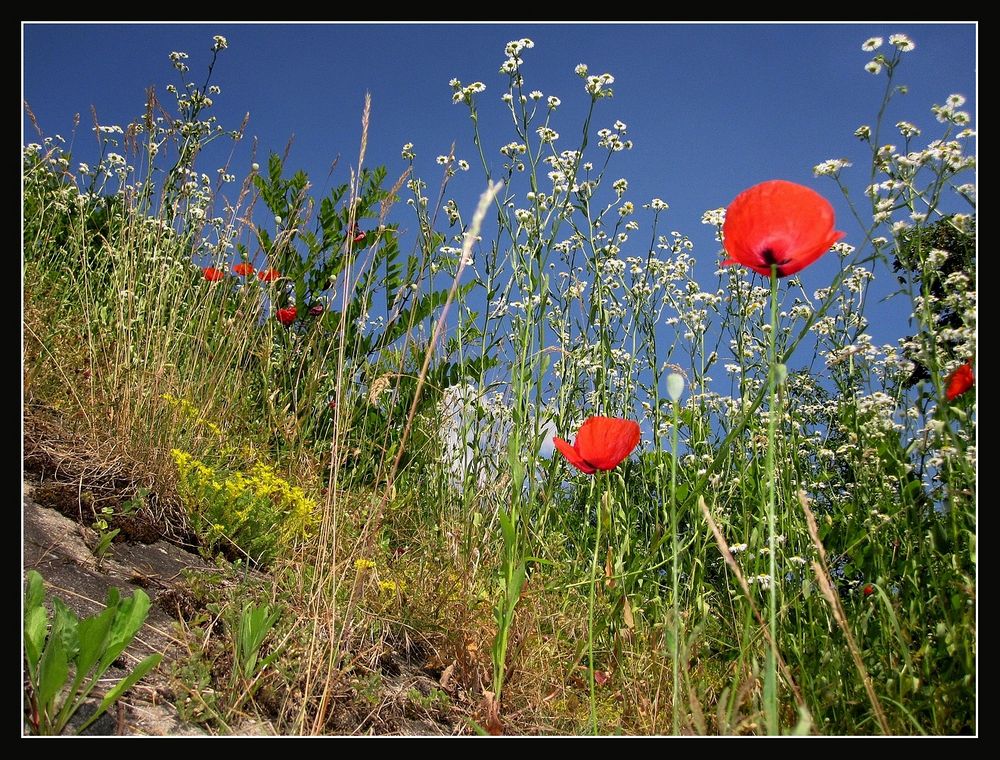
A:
(590, 610)
(771, 672)
(675, 572)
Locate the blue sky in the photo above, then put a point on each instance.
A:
(711, 108)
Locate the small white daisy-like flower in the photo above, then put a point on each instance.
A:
(463, 165)
(219, 42)
(831, 167)
(553, 101)
(901, 41)
(715, 217)
(581, 69)
(535, 95)
(873, 67)
(863, 132)
(547, 134)
(872, 43)
(510, 65)
(442, 160)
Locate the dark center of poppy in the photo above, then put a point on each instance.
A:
(769, 257)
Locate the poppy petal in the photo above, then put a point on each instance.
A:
(778, 223)
(960, 381)
(604, 442)
(573, 456)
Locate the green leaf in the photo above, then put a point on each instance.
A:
(64, 624)
(507, 528)
(36, 620)
(93, 636)
(34, 596)
(35, 623)
(129, 617)
(514, 590)
(122, 686)
(52, 672)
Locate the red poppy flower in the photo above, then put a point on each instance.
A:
(778, 222)
(268, 275)
(357, 234)
(601, 444)
(212, 274)
(243, 269)
(868, 590)
(287, 315)
(960, 381)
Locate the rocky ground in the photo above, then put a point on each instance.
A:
(61, 547)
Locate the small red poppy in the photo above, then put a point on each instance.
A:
(601, 444)
(357, 234)
(243, 269)
(868, 590)
(212, 274)
(960, 381)
(287, 315)
(268, 275)
(316, 310)
(778, 222)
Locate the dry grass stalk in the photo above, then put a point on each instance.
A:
(734, 566)
(821, 569)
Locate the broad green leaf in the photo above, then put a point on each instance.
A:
(35, 624)
(64, 624)
(93, 636)
(34, 596)
(122, 686)
(52, 672)
(128, 620)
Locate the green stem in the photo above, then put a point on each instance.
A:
(590, 615)
(771, 675)
(675, 550)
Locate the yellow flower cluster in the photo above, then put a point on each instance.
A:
(256, 506)
(190, 410)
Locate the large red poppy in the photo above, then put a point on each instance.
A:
(960, 381)
(778, 222)
(268, 275)
(601, 444)
(212, 274)
(243, 269)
